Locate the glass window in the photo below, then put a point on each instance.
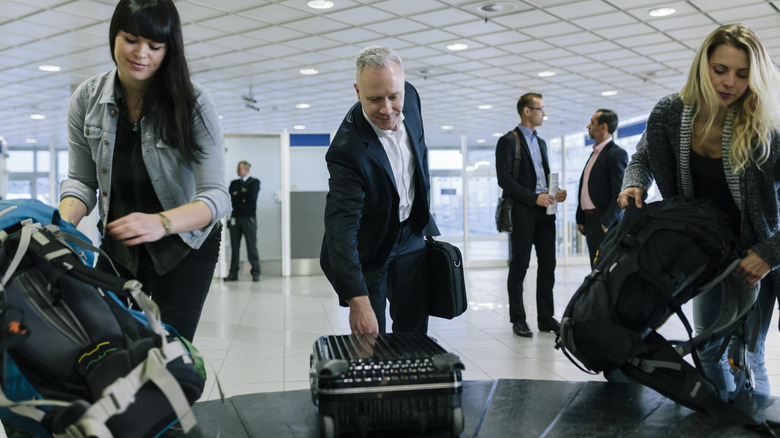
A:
(629, 144)
(19, 189)
(42, 161)
(483, 192)
(447, 204)
(577, 154)
(21, 161)
(484, 243)
(445, 159)
(42, 190)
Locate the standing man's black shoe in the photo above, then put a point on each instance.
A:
(551, 325)
(521, 329)
(256, 278)
(230, 278)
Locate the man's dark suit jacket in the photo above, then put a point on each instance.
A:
(361, 210)
(245, 202)
(522, 191)
(606, 177)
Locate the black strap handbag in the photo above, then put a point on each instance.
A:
(446, 280)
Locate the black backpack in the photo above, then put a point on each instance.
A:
(94, 367)
(650, 264)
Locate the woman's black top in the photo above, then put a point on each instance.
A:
(709, 181)
(132, 191)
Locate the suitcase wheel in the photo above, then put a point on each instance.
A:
(457, 421)
(327, 426)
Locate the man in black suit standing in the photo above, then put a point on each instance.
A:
(243, 221)
(377, 209)
(530, 222)
(600, 183)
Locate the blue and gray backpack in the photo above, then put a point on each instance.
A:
(75, 361)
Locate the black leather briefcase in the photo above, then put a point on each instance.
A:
(446, 281)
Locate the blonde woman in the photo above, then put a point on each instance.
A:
(718, 138)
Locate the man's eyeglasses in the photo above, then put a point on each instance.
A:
(537, 108)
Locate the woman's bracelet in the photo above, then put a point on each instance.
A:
(166, 223)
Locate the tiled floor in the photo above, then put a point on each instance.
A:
(258, 336)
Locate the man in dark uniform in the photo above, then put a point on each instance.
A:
(243, 220)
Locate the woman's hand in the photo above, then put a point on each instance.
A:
(752, 269)
(137, 228)
(631, 192)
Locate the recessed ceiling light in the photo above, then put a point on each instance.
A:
(221, 117)
(446, 127)
(609, 93)
(481, 140)
(498, 134)
(545, 118)
(31, 140)
(303, 105)
(495, 7)
(37, 116)
(485, 106)
(299, 127)
(320, 4)
(662, 12)
(457, 46)
(308, 71)
(49, 67)
(546, 74)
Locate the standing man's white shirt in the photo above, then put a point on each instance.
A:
(399, 153)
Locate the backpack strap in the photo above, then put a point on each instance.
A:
(665, 371)
(515, 163)
(518, 156)
(119, 395)
(27, 408)
(736, 303)
(24, 244)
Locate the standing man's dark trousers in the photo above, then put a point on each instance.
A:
(537, 229)
(594, 234)
(403, 280)
(246, 227)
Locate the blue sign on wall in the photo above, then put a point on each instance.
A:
(309, 139)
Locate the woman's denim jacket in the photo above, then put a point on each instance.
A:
(92, 124)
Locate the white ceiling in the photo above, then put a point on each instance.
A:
(235, 45)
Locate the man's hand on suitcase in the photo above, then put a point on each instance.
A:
(361, 316)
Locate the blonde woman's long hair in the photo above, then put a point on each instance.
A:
(757, 113)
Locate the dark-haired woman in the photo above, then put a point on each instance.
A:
(148, 140)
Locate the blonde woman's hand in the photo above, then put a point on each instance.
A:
(631, 192)
(752, 269)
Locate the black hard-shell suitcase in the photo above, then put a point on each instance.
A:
(446, 281)
(395, 384)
